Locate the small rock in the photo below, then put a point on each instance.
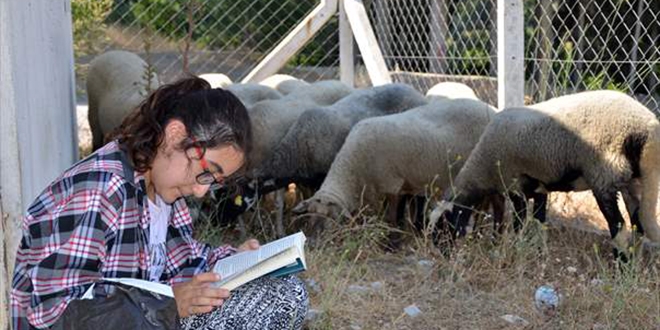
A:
(377, 285)
(312, 284)
(354, 288)
(412, 311)
(571, 269)
(515, 320)
(546, 299)
(597, 282)
(426, 263)
(598, 326)
(355, 327)
(313, 315)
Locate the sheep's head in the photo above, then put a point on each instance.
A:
(315, 214)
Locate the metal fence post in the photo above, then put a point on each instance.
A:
(510, 54)
(346, 49)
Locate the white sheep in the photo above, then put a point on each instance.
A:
(450, 90)
(604, 141)
(284, 83)
(309, 147)
(117, 83)
(251, 93)
(399, 154)
(217, 80)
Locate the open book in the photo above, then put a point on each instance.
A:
(278, 258)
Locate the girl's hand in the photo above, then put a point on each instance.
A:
(251, 244)
(197, 296)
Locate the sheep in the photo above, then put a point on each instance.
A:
(271, 119)
(217, 80)
(284, 83)
(308, 148)
(116, 84)
(603, 141)
(450, 90)
(399, 154)
(251, 93)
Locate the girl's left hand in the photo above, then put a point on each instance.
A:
(251, 244)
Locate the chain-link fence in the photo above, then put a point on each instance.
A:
(570, 45)
(202, 36)
(575, 45)
(428, 41)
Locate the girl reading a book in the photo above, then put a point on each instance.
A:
(120, 213)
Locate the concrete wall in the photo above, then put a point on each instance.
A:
(37, 122)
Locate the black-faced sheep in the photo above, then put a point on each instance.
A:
(116, 84)
(400, 154)
(309, 147)
(604, 141)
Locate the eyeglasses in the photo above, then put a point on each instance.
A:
(206, 177)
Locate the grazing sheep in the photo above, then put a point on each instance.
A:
(450, 90)
(309, 147)
(217, 80)
(271, 119)
(284, 83)
(324, 92)
(250, 93)
(399, 154)
(604, 141)
(116, 84)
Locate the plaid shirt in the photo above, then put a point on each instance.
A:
(93, 222)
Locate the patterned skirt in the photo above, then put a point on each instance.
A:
(265, 303)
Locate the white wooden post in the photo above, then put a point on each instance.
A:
(346, 49)
(510, 57)
(366, 40)
(37, 104)
(293, 42)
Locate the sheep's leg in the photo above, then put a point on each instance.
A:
(396, 207)
(420, 205)
(242, 229)
(497, 203)
(607, 202)
(631, 197)
(540, 206)
(279, 219)
(519, 209)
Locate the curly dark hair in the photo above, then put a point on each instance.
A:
(212, 117)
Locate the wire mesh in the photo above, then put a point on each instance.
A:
(570, 45)
(428, 41)
(581, 45)
(202, 36)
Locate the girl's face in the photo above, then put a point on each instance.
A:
(173, 172)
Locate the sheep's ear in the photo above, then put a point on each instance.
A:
(301, 208)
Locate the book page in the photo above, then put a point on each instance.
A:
(282, 259)
(159, 288)
(230, 267)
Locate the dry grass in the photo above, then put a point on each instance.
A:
(481, 281)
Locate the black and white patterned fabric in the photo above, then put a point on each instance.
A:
(265, 303)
